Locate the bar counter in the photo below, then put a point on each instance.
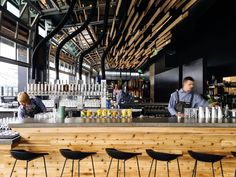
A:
(136, 135)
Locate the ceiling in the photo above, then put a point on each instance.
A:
(139, 29)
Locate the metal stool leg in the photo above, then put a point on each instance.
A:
(109, 167)
(13, 168)
(26, 168)
(150, 168)
(138, 167)
(195, 169)
(168, 171)
(45, 167)
(222, 172)
(63, 167)
(178, 167)
(213, 172)
(93, 166)
(117, 174)
(78, 168)
(72, 171)
(155, 169)
(124, 168)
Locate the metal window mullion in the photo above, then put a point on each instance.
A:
(17, 29)
(0, 20)
(16, 37)
(3, 3)
(23, 10)
(34, 21)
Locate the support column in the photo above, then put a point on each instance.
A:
(152, 82)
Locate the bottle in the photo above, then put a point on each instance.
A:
(65, 88)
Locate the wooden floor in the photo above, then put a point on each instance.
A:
(134, 139)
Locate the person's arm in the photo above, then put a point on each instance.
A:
(21, 113)
(40, 104)
(200, 102)
(171, 105)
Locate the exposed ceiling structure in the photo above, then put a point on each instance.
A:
(147, 28)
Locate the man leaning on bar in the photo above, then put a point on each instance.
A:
(186, 98)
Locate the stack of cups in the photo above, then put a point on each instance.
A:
(213, 114)
(207, 115)
(220, 115)
(201, 114)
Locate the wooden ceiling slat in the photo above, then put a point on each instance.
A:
(173, 24)
(170, 5)
(114, 19)
(188, 5)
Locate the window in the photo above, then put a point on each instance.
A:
(42, 32)
(13, 78)
(84, 78)
(22, 53)
(23, 34)
(62, 76)
(52, 76)
(11, 8)
(7, 49)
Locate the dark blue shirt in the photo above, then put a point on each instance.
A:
(35, 103)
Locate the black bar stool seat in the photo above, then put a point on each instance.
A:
(204, 157)
(27, 156)
(121, 155)
(162, 156)
(207, 158)
(76, 155)
(234, 153)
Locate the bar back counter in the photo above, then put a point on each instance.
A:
(163, 134)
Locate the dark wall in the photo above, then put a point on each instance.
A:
(209, 33)
(166, 83)
(195, 69)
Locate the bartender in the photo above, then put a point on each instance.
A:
(185, 98)
(29, 106)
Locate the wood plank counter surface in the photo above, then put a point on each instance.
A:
(38, 136)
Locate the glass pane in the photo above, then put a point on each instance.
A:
(8, 27)
(23, 34)
(13, 9)
(8, 79)
(22, 53)
(42, 32)
(52, 76)
(64, 77)
(7, 49)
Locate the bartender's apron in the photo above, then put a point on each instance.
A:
(180, 105)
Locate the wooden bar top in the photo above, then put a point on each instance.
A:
(135, 122)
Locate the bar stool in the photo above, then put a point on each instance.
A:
(76, 155)
(234, 154)
(161, 156)
(121, 155)
(27, 156)
(207, 158)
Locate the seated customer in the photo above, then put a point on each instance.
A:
(29, 106)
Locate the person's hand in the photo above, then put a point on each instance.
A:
(179, 114)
